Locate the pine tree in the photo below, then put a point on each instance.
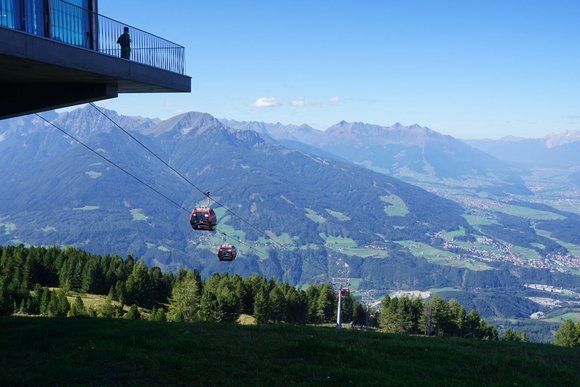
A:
(510, 335)
(417, 315)
(443, 325)
(117, 292)
(347, 308)
(360, 314)
(77, 308)
(487, 331)
(297, 308)
(92, 312)
(325, 307)
(401, 315)
(208, 304)
(185, 299)
(22, 308)
(133, 313)
(471, 324)
(229, 304)
(3, 298)
(278, 304)
(107, 310)
(63, 306)
(52, 309)
(458, 318)
(220, 301)
(44, 298)
(138, 286)
(244, 294)
(312, 293)
(262, 309)
(568, 334)
(158, 314)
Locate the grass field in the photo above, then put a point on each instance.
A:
(479, 220)
(364, 253)
(397, 206)
(529, 213)
(450, 235)
(338, 215)
(440, 257)
(349, 247)
(97, 352)
(285, 239)
(137, 215)
(338, 242)
(89, 300)
(314, 216)
(526, 253)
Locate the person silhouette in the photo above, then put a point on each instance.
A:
(124, 41)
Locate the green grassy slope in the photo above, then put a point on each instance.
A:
(41, 351)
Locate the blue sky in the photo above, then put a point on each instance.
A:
(471, 69)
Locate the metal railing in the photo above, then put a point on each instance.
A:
(76, 26)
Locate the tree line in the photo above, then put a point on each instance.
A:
(37, 280)
(44, 280)
(436, 317)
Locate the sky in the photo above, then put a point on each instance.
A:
(467, 68)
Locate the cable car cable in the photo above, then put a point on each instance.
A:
(242, 242)
(133, 176)
(147, 148)
(205, 193)
(113, 163)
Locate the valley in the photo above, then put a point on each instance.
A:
(417, 224)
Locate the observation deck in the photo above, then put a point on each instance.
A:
(55, 54)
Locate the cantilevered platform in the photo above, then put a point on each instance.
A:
(40, 73)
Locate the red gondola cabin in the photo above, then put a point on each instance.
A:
(226, 252)
(203, 219)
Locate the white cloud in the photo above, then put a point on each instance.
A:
(298, 102)
(334, 100)
(267, 102)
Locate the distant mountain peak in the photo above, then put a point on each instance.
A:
(88, 120)
(303, 133)
(197, 118)
(363, 134)
(248, 137)
(189, 123)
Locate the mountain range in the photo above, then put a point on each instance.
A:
(413, 153)
(553, 151)
(301, 205)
